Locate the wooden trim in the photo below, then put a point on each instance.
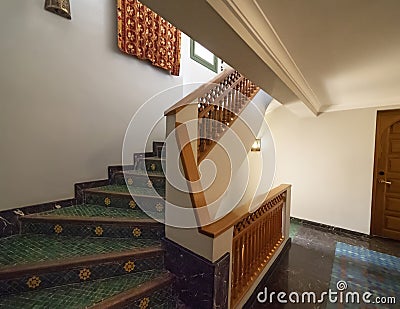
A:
(217, 228)
(121, 194)
(54, 265)
(192, 175)
(198, 92)
(85, 220)
(373, 223)
(124, 299)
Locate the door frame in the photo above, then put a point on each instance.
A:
(374, 223)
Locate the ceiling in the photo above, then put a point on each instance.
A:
(329, 55)
(347, 51)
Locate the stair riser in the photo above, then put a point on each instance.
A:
(160, 299)
(150, 165)
(93, 230)
(151, 204)
(140, 181)
(52, 278)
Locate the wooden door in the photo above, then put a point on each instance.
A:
(385, 219)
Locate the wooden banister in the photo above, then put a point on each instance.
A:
(256, 238)
(217, 228)
(191, 97)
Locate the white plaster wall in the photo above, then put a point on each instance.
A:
(67, 96)
(329, 161)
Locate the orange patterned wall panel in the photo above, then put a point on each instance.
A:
(146, 35)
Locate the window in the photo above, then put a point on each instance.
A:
(203, 56)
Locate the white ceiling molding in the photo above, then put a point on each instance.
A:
(344, 107)
(259, 34)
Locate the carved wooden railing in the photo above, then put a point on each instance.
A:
(256, 237)
(219, 104)
(255, 240)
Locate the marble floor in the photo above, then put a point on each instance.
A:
(315, 262)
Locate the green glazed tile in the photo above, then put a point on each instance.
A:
(33, 248)
(78, 295)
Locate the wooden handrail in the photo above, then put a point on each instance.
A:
(192, 175)
(217, 228)
(200, 91)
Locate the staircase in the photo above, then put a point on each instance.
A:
(103, 253)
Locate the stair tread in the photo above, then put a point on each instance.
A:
(152, 158)
(143, 173)
(123, 190)
(94, 211)
(81, 295)
(20, 250)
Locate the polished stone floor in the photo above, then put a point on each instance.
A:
(315, 261)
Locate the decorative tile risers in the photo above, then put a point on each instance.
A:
(160, 299)
(47, 278)
(201, 283)
(140, 180)
(157, 148)
(150, 164)
(9, 223)
(148, 203)
(80, 187)
(94, 229)
(158, 293)
(118, 168)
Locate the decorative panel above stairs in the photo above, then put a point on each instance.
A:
(103, 253)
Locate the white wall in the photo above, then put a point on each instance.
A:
(67, 96)
(329, 161)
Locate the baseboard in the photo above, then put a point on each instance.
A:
(328, 227)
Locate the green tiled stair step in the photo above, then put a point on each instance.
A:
(50, 273)
(96, 211)
(142, 179)
(152, 288)
(151, 164)
(119, 196)
(92, 227)
(20, 250)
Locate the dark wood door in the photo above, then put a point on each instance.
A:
(385, 219)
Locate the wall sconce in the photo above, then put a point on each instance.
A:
(59, 7)
(256, 145)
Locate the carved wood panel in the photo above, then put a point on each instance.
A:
(146, 35)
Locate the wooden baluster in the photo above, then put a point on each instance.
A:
(245, 258)
(262, 240)
(242, 262)
(237, 266)
(250, 251)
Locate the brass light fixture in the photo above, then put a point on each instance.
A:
(256, 145)
(59, 7)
